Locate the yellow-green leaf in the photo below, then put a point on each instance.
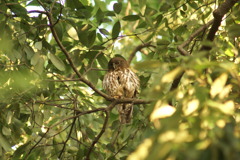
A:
(170, 76)
(218, 85)
(57, 62)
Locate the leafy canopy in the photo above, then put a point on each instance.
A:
(54, 54)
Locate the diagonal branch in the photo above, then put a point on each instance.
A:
(100, 133)
(70, 132)
(191, 37)
(68, 137)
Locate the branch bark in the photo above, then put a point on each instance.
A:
(218, 15)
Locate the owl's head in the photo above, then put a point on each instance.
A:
(117, 63)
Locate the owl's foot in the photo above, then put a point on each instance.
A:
(117, 97)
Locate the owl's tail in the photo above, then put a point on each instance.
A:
(125, 112)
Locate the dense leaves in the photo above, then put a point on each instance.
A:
(54, 54)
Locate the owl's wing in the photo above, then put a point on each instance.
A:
(112, 84)
(130, 82)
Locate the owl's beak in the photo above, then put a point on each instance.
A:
(114, 65)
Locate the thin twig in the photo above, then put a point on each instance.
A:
(68, 137)
(37, 143)
(98, 136)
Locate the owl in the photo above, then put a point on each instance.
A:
(121, 82)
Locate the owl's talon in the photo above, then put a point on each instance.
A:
(116, 97)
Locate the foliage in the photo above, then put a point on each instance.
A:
(54, 55)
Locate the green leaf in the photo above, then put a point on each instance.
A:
(93, 77)
(72, 33)
(74, 4)
(33, 3)
(84, 34)
(117, 7)
(29, 51)
(234, 30)
(19, 10)
(90, 133)
(17, 53)
(184, 6)
(39, 118)
(116, 29)
(59, 29)
(6, 131)
(181, 30)
(20, 150)
(5, 143)
(35, 58)
(39, 66)
(97, 47)
(57, 62)
(131, 18)
(102, 60)
(193, 5)
(104, 31)
(86, 2)
(159, 20)
(91, 38)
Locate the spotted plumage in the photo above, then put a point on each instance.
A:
(121, 82)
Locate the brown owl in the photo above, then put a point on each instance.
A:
(121, 82)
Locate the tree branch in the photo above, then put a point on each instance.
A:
(100, 133)
(106, 110)
(36, 144)
(191, 37)
(216, 22)
(68, 137)
(218, 15)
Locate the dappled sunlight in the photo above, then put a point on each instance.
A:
(175, 136)
(162, 111)
(227, 107)
(170, 76)
(142, 151)
(218, 85)
(190, 107)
